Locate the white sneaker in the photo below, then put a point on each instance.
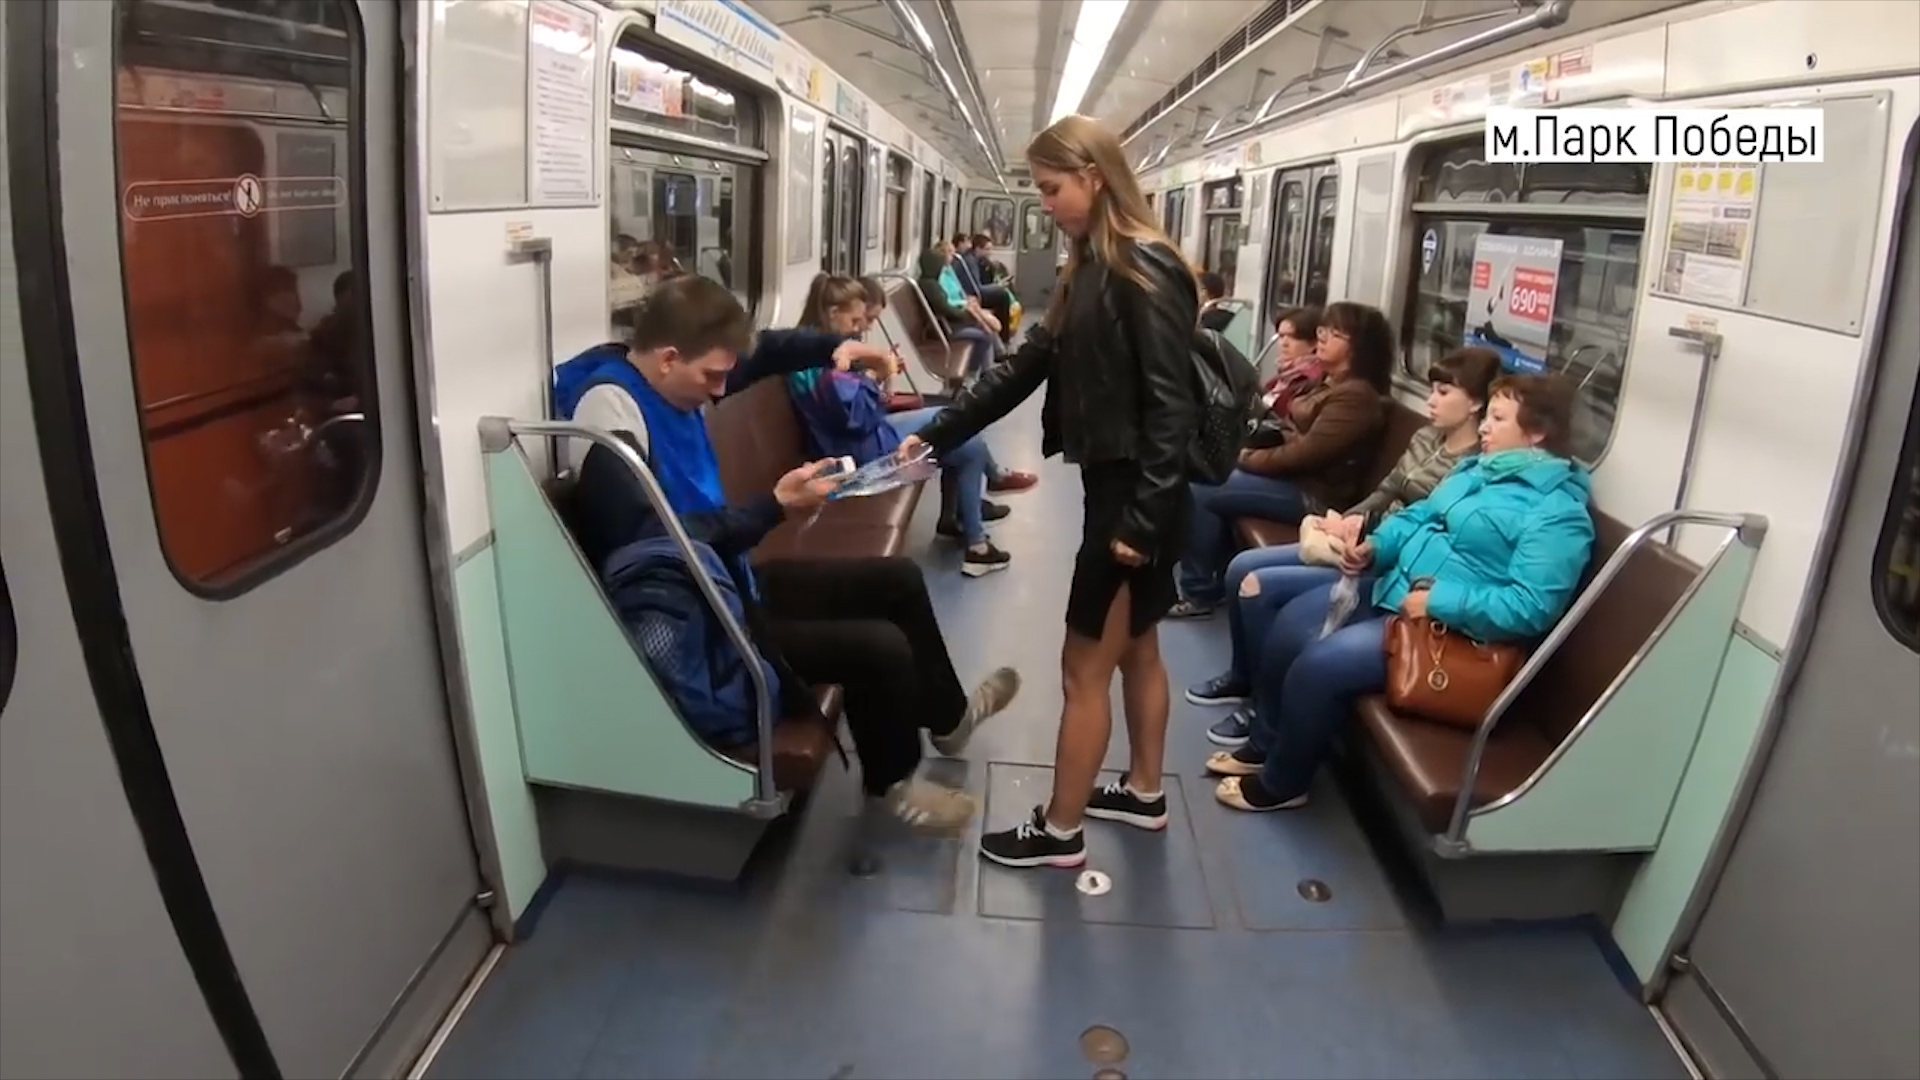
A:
(989, 699)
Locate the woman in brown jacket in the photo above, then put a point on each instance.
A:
(1328, 437)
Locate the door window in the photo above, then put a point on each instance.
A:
(994, 217)
(1896, 588)
(241, 227)
(1326, 204)
(1290, 230)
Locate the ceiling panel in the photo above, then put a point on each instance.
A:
(1338, 33)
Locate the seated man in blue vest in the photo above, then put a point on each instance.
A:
(866, 625)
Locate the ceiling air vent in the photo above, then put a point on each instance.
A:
(1253, 32)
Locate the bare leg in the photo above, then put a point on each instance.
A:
(1144, 692)
(1086, 720)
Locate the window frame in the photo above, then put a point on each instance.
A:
(1422, 215)
(230, 62)
(750, 153)
(1903, 501)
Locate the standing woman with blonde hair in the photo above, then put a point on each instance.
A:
(1116, 354)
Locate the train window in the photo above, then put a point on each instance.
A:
(874, 185)
(829, 199)
(927, 234)
(677, 206)
(238, 152)
(1039, 228)
(1896, 574)
(946, 212)
(662, 95)
(1220, 221)
(899, 175)
(847, 234)
(1326, 204)
(675, 213)
(995, 218)
(1586, 324)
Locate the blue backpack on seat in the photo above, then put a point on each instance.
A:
(703, 674)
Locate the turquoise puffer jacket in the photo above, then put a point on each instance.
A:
(1504, 540)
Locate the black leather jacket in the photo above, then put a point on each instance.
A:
(1119, 378)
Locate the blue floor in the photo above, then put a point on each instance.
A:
(1204, 955)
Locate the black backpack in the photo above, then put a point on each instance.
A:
(1227, 389)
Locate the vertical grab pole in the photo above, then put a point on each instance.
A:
(767, 801)
(1710, 343)
(538, 250)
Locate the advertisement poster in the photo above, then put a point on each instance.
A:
(1710, 232)
(1510, 307)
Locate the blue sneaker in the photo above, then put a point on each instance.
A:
(1234, 730)
(1219, 690)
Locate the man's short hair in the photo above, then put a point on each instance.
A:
(693, 314)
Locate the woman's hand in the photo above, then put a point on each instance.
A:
(908, 444)
(1414, 604)
(1346, 528)
(1125, 555)
(1357, 558)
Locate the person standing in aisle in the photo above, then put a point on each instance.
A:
(1116, 354)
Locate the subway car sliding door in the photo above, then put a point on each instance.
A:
(1034, 273)
(1806, 960)
(229, 184)
(95, 981)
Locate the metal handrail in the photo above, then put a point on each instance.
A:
(1547, 16)
(1751, 528)
(933, 320)
(764, 788)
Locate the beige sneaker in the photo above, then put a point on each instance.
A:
(989, 699)
(929, 807)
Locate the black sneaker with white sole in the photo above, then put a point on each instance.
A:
(1224, 689)
(1117, 802)
(984, 560)
(949, 528)
(1031, 843)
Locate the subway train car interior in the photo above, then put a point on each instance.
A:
(335, 745)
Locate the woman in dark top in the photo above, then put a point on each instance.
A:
(1329, 435)
(1116, 355)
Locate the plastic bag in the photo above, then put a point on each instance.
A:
(1341, 605)
(887, 473)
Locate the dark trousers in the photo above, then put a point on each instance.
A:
(868, 627)
(999, 303)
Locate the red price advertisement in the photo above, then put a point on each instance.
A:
(1531, 297)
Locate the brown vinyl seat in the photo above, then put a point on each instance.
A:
(757, 438)
(801, 744)
(1402, 423)
(1428, 760)
(944, 357)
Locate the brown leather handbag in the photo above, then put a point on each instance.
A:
(1443, 676)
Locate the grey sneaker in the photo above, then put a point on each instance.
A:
(990, 698)
(930, 807)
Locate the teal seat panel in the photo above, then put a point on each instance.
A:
(591, 715)
(1613, 784)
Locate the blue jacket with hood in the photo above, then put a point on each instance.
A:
(1504, 540)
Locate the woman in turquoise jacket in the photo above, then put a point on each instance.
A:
(1496, 553)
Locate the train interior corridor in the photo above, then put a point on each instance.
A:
(1205, 954)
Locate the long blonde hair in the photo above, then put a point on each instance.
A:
(1119, 215)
